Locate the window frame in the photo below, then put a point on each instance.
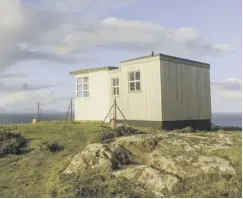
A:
(116, 86)
(134, 81)
(82, 91)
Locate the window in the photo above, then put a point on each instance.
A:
(83, 87)
(134, 81)
(115, 86)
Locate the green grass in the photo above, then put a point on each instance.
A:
(212, 185)
(37, 173)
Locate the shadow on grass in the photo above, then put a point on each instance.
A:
(52, 147)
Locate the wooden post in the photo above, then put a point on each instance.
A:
(115, 109)
(71, 109)
(113, 122)
(38, 113)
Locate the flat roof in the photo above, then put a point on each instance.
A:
(95, 69)
(171, 58)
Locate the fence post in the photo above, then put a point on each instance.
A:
(113, 124)
(38, 111)
(115, 109)
(71, 109)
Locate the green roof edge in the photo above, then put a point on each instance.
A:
(143, 57)
(89, 70)
(163, 56)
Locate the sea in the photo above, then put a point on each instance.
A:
(219, 119)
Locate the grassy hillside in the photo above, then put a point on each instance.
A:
(37, 172)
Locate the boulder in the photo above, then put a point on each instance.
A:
(99, 156)
(154, 162)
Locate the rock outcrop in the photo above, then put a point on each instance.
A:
(101, 157)
(149, 178)
(155, 162)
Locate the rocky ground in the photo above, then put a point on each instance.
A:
(66, 159)
(159, 162)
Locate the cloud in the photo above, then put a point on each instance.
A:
(2, 110)
(12, 87)
(226, 95)
(63, 31)
(141, 36)
(12, 75)
(230, 88)
(16, 96)
(24, 100)
(32, 29)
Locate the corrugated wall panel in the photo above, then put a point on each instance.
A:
(185, 92)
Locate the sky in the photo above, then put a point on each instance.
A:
(41, 41)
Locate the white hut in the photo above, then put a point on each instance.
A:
(158, 90)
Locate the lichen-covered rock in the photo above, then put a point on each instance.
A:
(144, 142)
(163, 163)
(155, 162)
(208, 163)
(99, 156)
(150, 178)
